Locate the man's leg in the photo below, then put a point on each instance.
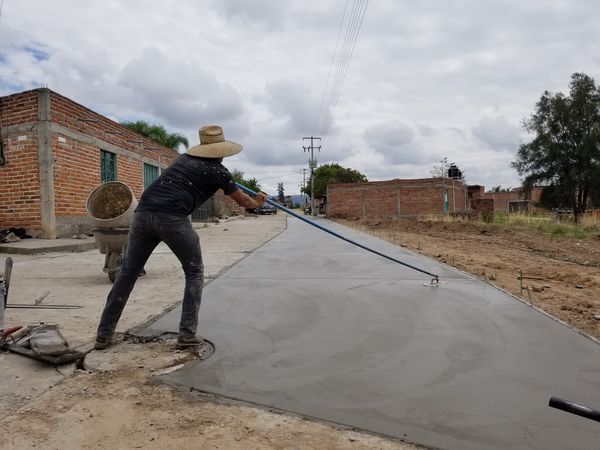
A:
(142, 241)
(181, 238)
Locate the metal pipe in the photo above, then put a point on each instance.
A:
(574, 408)
(26, 306)
(333, 233)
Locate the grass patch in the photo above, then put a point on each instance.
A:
(588, 226)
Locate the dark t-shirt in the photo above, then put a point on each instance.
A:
(185, 185)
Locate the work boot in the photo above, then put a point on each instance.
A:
(189, 341)
(103, 342)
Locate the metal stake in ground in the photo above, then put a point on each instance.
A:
(435, 280)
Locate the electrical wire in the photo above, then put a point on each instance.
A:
(337, 40)
(278, 176)
(340, 60)
(349, 58)
(352, 31)
(353, 37)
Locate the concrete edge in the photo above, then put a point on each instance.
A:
(14, 250)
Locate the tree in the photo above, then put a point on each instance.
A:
(565, 152)
(332, 173)
(280, 193)
(499, 188)
(441, 170)
(158, 134)
(251, 183)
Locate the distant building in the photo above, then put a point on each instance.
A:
(424, 197)
(398, 198)
(516, 200)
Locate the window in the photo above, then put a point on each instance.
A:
(150, 174)
(107, 166)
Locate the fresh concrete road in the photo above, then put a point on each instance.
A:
(313, 325)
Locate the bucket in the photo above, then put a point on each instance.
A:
(111, 205)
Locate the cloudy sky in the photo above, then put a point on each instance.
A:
(427, 80)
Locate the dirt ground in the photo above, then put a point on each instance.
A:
(561, 275)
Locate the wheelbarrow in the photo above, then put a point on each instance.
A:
(111, 206)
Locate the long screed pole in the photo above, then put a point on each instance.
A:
(434, 279)
(574, 408)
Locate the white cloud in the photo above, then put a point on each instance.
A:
(427, 79)
(178, 93)
(498, 134)
(396, 143)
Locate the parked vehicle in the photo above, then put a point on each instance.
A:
(265, 209)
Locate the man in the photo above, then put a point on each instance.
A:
(163, 215)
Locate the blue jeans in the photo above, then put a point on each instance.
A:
(147, 230)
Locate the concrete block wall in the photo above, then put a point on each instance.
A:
(52, 150)
(396, 198)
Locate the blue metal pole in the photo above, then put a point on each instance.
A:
(327, 230)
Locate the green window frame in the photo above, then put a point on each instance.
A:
(150, 174)
(108, 167)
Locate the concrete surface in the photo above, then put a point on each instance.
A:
(77, 279)
(312, 325)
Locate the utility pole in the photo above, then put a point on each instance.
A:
(303, 172)
(312, 165)
(443, 161)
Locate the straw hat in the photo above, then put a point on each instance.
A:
(213, 144)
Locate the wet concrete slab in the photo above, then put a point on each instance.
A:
(315, 326)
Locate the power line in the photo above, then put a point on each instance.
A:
(278, 176)
(337, 40)
(341, 57)
(339, 92)
(352, 31)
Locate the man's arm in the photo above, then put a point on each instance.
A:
(245, 201)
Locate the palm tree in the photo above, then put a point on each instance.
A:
(158, 134)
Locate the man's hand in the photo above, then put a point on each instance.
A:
(246, 201)
(260, 198)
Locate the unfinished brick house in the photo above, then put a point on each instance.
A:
(506, 202)
(55, 152)
(397, 198)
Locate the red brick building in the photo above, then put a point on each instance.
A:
(507, 202)
(397, 198)
(55, 152)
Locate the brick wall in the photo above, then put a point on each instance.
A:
(17, 109)
(503, 199)
(482, 207)
(132, 149)
(226, 206)
(395, 198)
(77, 134)
(19, 176)
(19, 183)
